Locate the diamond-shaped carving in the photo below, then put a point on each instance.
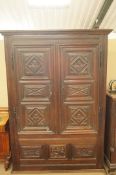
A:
(36, 117)
(78, 64)
(34, 64)
(79, 116)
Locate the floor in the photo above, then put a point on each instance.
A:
(87, 172)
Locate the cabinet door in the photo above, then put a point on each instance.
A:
(80, 95)
(34, 100)
(34, 82)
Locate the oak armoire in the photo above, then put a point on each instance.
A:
(56, 89)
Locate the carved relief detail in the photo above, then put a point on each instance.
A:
(36, 90)
(31, 152)
(78, 116)
(35, 117)
(83, 152)
(79, 90)
(79, 64)
(57, 152)
(34, 64)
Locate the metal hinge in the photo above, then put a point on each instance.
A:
(12, 58)
(12, 62)
(14, 111)
(100, 116)
(100, 61)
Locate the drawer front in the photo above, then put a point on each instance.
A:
(58, 152)
(64, 151)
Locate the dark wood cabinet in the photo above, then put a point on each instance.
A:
(56, 87)
(110, 133)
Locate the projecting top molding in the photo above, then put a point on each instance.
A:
(56, 32)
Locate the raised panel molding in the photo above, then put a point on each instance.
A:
(57, 152)
(83, 151)
(79, 64)
(36, 116)
(34, 64)
(36, 92)
(32, 152)
(79, 116)
(78, 92)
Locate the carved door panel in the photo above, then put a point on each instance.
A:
(36, 107)
(79, 87)
(80, 96)
(36, 103)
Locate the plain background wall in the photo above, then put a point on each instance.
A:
(111, 70)
(111, 65)
(3, 83)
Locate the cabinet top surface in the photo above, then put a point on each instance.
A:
(112, 95)
(56, 32)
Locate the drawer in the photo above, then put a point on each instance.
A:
(59, 151)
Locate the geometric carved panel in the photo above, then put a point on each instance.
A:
(34, 64)
(78, 116)
(31, 152)
(57, 152)
(36, 91)
(79, 64)
(78, 91)
(36, 116)
(84, 151)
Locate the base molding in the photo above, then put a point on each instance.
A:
(109, 167)
(7, 161)
(59, 171)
